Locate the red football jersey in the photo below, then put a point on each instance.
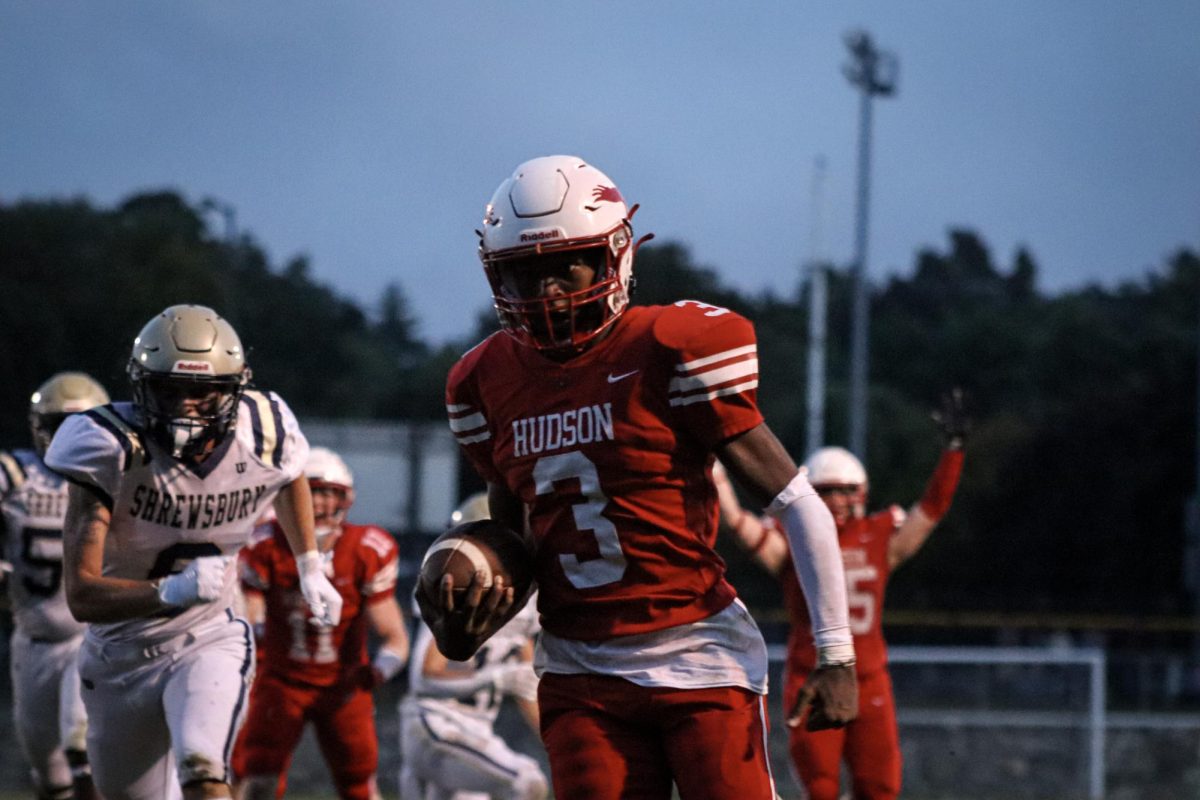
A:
(365, 565)
(611, 454)
(864, 544)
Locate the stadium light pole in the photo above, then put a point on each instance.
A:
(816, 316)
(874, 72)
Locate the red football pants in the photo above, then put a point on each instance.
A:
(345, 725)
(608, 739)
(870, 745)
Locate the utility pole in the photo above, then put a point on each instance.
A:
(874, 72)
(817, 302)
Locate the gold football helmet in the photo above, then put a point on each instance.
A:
(188, 371)
(62, 394)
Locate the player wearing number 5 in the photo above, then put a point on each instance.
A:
(872, 546)
(165, 491)
(48, 711)
(597, 422)
(320, 674)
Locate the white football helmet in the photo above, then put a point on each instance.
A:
(834, 466)
(325, 469)
(188, 372)
(552, 205)
(62, 394)
(835, 470)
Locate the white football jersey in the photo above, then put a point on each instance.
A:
(166, 512)
(33, 501)
(503, 646)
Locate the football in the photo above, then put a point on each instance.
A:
(482, 546)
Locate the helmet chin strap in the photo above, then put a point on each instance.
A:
(182, 436)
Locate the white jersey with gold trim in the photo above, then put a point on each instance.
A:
(33, 501)
(166, 512)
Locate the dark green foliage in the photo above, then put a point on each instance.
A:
(77, 283)
(1078, 465)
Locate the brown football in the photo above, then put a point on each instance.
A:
(482, 546)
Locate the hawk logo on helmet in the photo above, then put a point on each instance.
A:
(605, 194)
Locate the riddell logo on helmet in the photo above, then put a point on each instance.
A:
(193, 366)
(541, 236)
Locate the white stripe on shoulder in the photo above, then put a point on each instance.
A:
(470, 423)
(687, 400)
(10, 472)
(456, 408)
(479, 437)
(687, 366)
(714, 377)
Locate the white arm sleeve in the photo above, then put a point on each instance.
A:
(812, 536)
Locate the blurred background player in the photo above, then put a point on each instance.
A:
(872, 546)
(597, 422)
(48, 710)
(450, 748)
(164, 493)
(320, 674)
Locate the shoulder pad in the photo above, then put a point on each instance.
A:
(129, 437)
(467, 422)
(684, 318)
(715, 349)
(469, 360)
(274, 432)
(12, 472)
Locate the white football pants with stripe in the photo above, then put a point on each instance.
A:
(147, 702)
(452, 755)
(47, 708)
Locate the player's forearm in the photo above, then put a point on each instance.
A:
(294, 510)
(387, 621)
(100, 599)
(817, 557)
(939, 492)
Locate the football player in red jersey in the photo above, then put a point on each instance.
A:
(318, 673)
(872, 546)
(595, 425)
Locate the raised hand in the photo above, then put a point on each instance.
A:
(952, 419)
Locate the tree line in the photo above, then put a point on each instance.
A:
(1079, 466)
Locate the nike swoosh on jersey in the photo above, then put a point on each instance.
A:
(614, 378)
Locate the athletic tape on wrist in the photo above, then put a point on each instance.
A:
(836, 655)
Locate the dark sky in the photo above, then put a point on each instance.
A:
(369, 135)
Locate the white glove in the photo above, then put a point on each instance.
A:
(323, 600)
(200, 582)
(518, 680)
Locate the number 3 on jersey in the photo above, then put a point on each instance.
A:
(610, 566)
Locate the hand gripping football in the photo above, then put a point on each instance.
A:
(482, 546)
